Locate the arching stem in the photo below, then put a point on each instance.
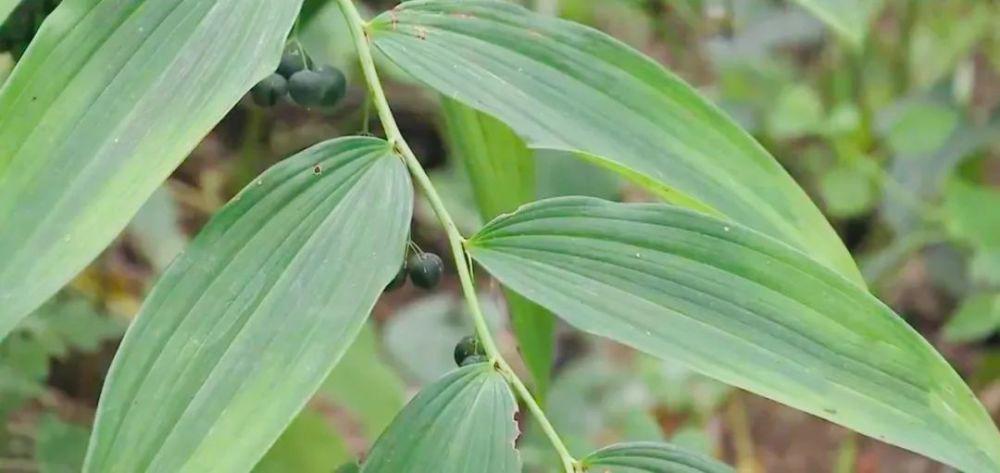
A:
(455, 240)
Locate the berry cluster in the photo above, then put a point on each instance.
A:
(424, 269)
(22, 24)
(309, 87)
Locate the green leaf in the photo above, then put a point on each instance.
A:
(561, 173)
(651, 457)
(71, 323)
(308, 445)
(107, 101)
(60, 446)
(244, 327)
(971, 213)
(461, 423)
(500, 166)
(535, 329)
(68, 322)
(363, 385)
(62, 324)
(985, 267)
(349, 467)
(563, 86)
(743, 308)
(502, 171)
(925, 174)
(977, 318)
(6, 7)
(849, 18)
(24, 367)
(797, 112)
(921, 126)
(847, 190)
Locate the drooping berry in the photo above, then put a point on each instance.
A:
(398, 281)
(323, 87)
(269, 91)
(474, 359)
(306, 88)
(425, 270)
(294, 60)
(336, 87)
(467, 347)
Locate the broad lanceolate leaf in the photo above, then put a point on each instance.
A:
(564, 86)
(502, 171)
(244, 326)
(651, 457)
(109, 98)
(849, 18)
(462, 423)
(744, 308)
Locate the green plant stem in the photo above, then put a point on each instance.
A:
(395, 137)
(366, 114)
(251, 152)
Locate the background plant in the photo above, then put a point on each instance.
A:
(797, 122)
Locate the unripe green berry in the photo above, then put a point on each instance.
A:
(336, 85)
(467, 347)
(269, 91)
(291, 62)
(425, 270)
(307, 88)
(323, 87)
